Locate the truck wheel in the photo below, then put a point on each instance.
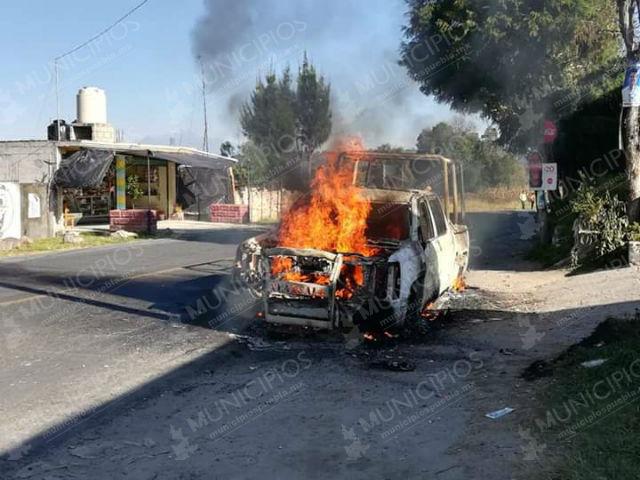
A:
(414, 304)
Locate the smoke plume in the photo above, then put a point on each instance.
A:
(354, 44)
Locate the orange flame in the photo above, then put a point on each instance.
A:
(429, 312)
(282, 266)
(459, 284)
(335, 217)
(353, 277)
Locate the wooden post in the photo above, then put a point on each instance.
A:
(456, 211)
(445, 174)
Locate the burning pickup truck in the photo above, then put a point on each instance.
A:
(365, 248)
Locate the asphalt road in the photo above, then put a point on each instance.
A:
(80, 328)
(141, 362)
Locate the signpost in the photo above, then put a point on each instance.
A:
(549, 176)
(631, 86)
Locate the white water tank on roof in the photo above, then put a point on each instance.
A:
(92, 105)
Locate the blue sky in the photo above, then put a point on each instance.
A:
(147, 65)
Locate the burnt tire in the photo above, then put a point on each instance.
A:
(413, 321)
(374, 315)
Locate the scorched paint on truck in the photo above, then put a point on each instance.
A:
(372, 245)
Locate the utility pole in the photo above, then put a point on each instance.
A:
(55, 67)
(205, 142)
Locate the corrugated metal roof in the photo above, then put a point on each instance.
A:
(141, 149)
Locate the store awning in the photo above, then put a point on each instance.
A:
(83, 169)
(195, 160)
(189, 157)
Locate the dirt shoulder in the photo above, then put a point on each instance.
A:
(526, 316)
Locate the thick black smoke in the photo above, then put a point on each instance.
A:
(353, 43)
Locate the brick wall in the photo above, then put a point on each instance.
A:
(133, 220)
(227, 213)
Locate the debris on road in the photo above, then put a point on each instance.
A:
(72, 236)
(593, 363)
(499, 413)
(123, 234)
(394, 365)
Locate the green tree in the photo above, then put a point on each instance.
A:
(252, 167)
(134, 190)
(313, 110)
(485, 163)
(286, 124)
(511, 60)
(268, 118)
(388, 148)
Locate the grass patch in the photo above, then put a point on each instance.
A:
(595, 412)
(55, 243)
(479, 204)
(494, 199)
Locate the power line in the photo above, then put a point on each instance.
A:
(75, 49)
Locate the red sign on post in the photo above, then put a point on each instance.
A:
(534, 159)
(550, 131)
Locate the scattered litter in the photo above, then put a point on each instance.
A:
(83, 452)
(499, 413)
(252, 367)
(599, 344)
(394, 365)
(123, 234)
(256, 343)
(506, 351)
(593, 363)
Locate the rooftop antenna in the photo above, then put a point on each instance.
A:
(57, 59)
(205, 140)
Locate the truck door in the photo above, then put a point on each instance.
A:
(427, 237)
(444, 244)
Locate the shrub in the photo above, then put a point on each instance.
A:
(603, 214)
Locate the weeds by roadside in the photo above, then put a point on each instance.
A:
(591, 408)
(55, 243)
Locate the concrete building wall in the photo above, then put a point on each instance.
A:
(31, 164)
(30, 161)
(36, 218)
